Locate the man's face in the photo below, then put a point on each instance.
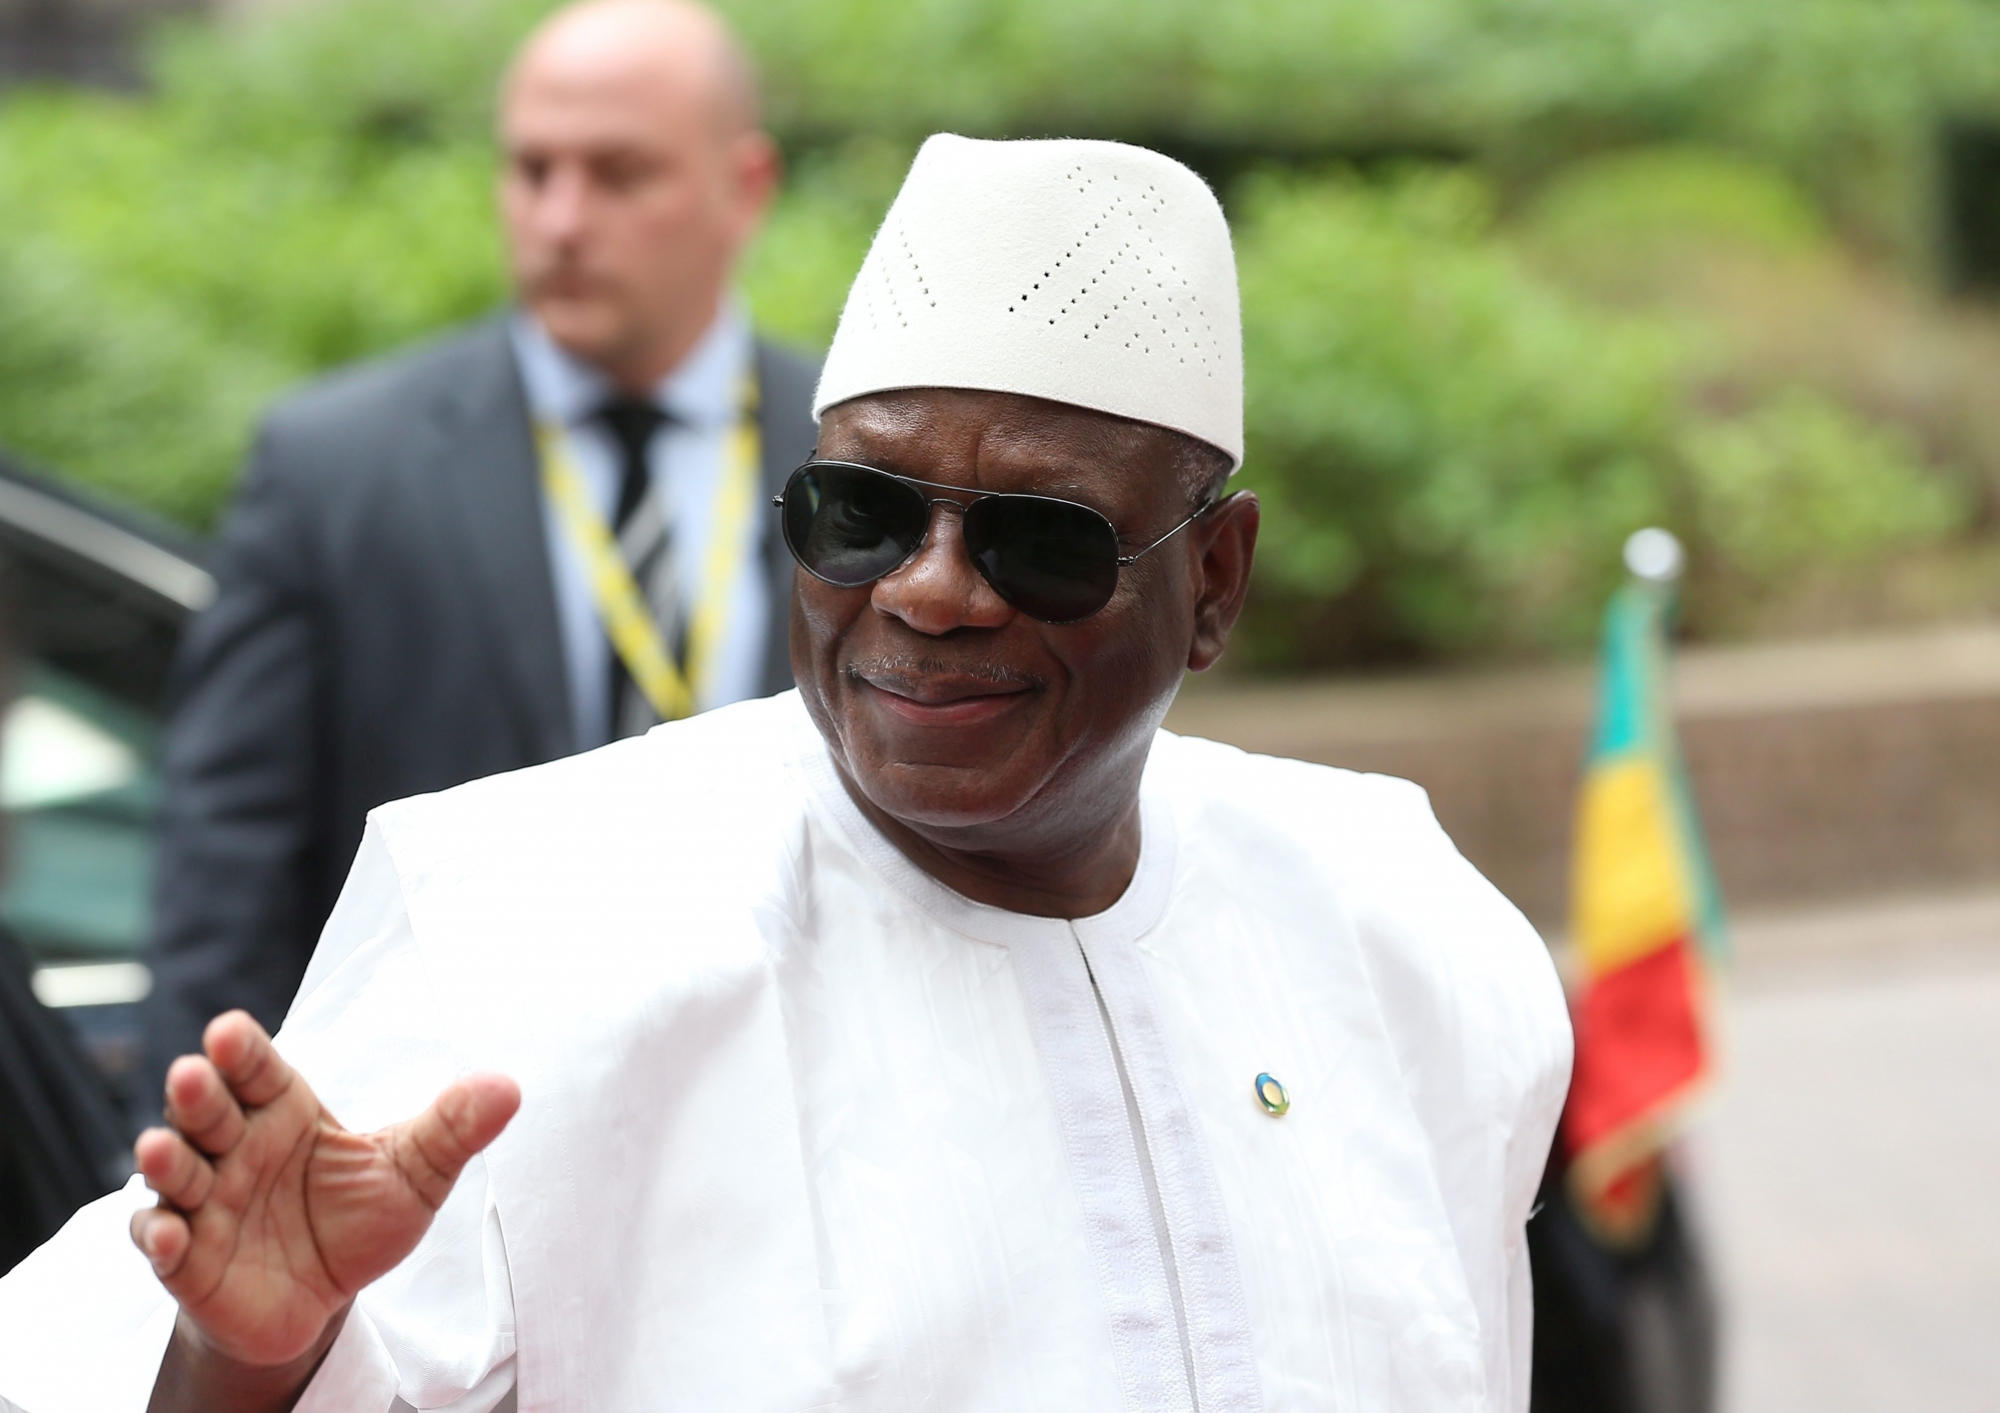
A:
(626, 196)
(953, 712)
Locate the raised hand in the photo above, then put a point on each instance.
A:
(271, 1215)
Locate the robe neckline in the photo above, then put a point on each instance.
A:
(1138, 910)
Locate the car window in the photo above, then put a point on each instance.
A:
(79, 776)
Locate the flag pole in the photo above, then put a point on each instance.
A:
(1644, 918)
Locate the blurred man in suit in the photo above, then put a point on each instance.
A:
(526, 539)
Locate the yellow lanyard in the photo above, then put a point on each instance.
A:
(621, 607)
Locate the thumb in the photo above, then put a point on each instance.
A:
(434, 1147)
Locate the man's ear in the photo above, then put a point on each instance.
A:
(755, 168)
(1227, 541)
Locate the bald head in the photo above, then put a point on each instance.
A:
(636, 172)
(671, 43)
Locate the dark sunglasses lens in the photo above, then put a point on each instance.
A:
(850, 525)
(1051, 559)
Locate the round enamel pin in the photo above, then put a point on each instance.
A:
(1272, 1096)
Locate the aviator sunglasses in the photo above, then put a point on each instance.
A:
(1054, 560)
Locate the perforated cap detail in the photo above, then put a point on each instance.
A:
(1092, 273)
(886, 285)
(1122, 280)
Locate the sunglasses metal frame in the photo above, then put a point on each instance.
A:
(973, 497)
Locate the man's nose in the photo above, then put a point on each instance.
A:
(562, 204)
(937, 589)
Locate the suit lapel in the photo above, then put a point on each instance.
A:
(482, 462)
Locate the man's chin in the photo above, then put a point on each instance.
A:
(583, 327)
(929, 796)
(943, 774)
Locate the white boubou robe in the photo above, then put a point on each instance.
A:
(804, 1130)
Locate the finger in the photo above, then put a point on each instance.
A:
(434, 1147)
(200, 1105)
(239, 1047)
(173, 1168)
(163, 1237)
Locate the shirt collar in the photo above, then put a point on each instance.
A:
(704, 390)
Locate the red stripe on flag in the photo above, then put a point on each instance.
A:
(1639, 1045)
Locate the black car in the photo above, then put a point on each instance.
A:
(97, 597)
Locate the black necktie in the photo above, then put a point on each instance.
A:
(631, 422)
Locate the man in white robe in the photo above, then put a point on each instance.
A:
(943, 1035)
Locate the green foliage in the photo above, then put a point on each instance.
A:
(374, 78)
(133, 400)
(1812, 82)
(1666, 200)
(302, 251)
(1451, 452)
(1845, 94)
(1452, 449)
(813, 243)
(1801, 485)
(1483, 74)
(1452, 438)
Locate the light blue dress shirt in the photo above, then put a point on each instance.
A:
(703, 397)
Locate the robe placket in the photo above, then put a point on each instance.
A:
(1104, 1164)
(1086, 993)
(1204, 1251)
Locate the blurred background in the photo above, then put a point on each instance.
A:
(1519, 276)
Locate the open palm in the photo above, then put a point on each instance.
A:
(271, 1215)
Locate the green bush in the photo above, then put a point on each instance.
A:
(1801, 485)
(1802, 338)
(1451, 452)
(1829, 87)
(308, 251)
(1846, 94)
(1452, 449)
(1453, 440)
(1655, 207)
(797, 274)
(289, 257)
(132, 400)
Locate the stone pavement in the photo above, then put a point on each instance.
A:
(1850, 1168)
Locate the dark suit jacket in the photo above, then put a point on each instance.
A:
(385, 626)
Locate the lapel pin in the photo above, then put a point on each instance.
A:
(1272, 1096)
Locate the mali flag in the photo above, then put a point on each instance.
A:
(1646, 920)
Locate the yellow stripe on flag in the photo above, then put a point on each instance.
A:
(1633, 893)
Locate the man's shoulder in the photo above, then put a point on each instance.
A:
(1463, 983)
(1421, 912)
(1317, 802)
(553, 905)
(679, 793)
(384, 394)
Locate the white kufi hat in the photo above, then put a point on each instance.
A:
(1090, 273)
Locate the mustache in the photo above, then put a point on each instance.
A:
(564, 268)
(922, 665)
